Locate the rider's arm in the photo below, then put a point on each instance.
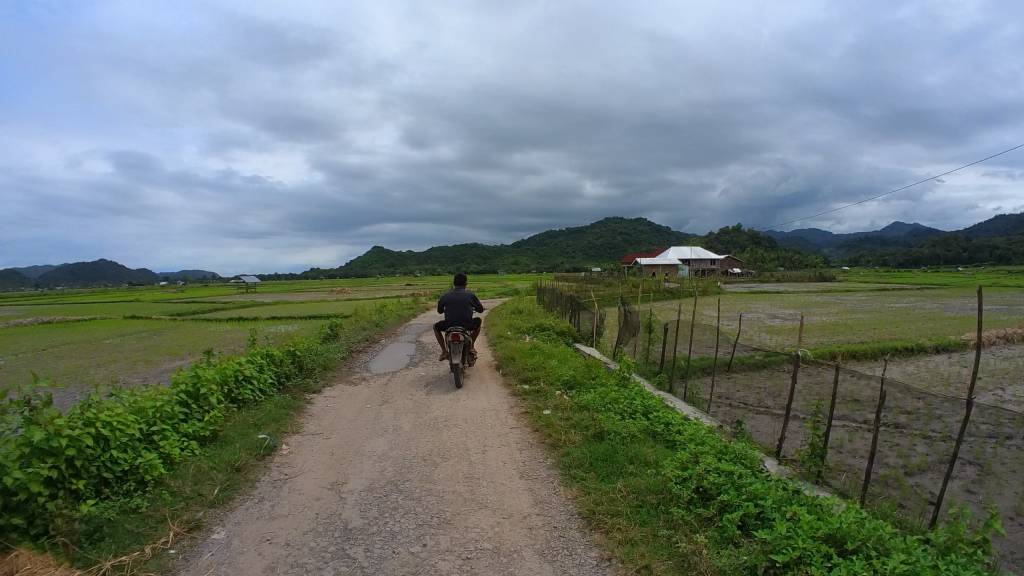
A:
(478, 305)
(440, 305)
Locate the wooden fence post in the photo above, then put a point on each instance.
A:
(874, 435)
(828, 425)
(574, 313)
(649, 329)
(664, 344)
(714, 363)
(597, 316)
(800, 335)
(734, 343)
(689, 347)
(964, 422)
(789, 405)
(675, 347)
(618, 331)
(640, 315)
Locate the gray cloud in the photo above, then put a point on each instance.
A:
(251, 138)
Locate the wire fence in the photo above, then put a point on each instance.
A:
(907, 452)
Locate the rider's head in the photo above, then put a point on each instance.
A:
(460, 280)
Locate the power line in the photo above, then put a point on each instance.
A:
(922, 181)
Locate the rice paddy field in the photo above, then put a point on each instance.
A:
(919, 327)
(988, 276)
(864, 324)
(771, 320)
(76, 340)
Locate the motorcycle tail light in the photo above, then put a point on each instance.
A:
(456, 337)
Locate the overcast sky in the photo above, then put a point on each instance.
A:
(275, 136)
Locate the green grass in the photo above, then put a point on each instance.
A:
(988, 276)
(834, 320)
(752, 285)
(751, 362)
(80, 355)
(106, 310)
(143, 334)
(670, 496)
(335, 308)
(487, 285)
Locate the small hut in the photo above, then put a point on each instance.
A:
(246, 283)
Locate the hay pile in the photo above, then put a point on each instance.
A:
(998, 336)
(21, 562)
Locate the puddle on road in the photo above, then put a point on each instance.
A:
(400, 353)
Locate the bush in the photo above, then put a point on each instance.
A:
(55, 465)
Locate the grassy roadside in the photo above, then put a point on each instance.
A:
(248, 404)
(669, 496)
(194, 491)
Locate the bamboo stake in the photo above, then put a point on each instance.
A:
(964, 422)
(732, 355)
(714, 363)
(650, 324)
(689, 347)
(618, 332)
(789, 405)
(597, 316)
(675, 348)
(639, 306)
(800, 335)
(828, 425)
(664, 344)
(874, 435)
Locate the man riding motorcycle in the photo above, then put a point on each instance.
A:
(458, 305)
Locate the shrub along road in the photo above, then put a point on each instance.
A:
(397, 472)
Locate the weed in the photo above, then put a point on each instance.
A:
(811, 455)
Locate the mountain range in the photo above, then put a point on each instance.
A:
(100, 272)
(998, 240)
(816, 239)
(578, 248)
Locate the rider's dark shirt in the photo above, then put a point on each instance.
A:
(458, 305)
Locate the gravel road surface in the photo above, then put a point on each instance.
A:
(397, 472)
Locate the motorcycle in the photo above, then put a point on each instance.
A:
(460, 352)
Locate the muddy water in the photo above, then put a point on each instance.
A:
(399, 353)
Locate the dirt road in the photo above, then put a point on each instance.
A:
(397, 472)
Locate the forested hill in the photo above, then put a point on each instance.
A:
(601, 243)
(96, 273)
(578, 248)
(100, 272)
(998, 240)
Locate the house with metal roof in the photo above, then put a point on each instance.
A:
(630, 259)
(698, 261)
(656, 267)
(684, 261)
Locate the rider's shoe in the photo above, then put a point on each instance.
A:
(444, 356)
